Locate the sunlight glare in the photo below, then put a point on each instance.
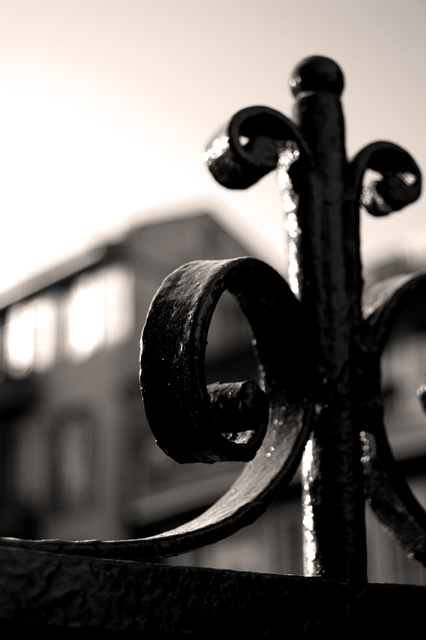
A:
(69, 174)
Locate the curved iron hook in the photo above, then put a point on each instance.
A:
(386, 489)
(176, 331)
(172, 361)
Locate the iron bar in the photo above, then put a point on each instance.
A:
(322, 193)
(333, 500)
(318, 342)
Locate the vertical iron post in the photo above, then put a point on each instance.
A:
(333, 500)
(318, 402)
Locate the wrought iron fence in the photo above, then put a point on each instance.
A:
(318, 339)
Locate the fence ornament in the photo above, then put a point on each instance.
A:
(317, 338)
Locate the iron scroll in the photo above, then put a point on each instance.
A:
(318, 341)
(348, 454)
(173, 344)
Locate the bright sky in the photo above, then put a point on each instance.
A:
(106, 106)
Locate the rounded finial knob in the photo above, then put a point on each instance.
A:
(317, 73)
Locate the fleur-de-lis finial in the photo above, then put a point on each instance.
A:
(317, 340)
(322, 224)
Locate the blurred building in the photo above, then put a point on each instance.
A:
(78, 459)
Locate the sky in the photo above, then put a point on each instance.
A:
(106, 107)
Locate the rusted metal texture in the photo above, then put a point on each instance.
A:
(317, 399)
(62, 596)
(342, 458)
(173, 346)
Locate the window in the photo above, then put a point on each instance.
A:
(24, 486)
(73, 461)
(100, 310)
(30, 461)
(30, 336)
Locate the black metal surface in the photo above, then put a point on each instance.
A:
(326, 250)
(63, 596)
(174, 341)
(386, 488)
(173, 348)
(319, 359)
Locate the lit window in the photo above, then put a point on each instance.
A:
(20, 340)
(45, 333)
(86, 315)
(100, 311)
(118, 305)
(30, 342)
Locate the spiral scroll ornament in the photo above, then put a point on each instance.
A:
(318, 340)
(348, 457)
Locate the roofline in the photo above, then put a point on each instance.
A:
(99, 254)
(54, 275)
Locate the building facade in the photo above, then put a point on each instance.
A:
(78, 459)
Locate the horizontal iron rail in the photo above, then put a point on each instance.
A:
(55, 593)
